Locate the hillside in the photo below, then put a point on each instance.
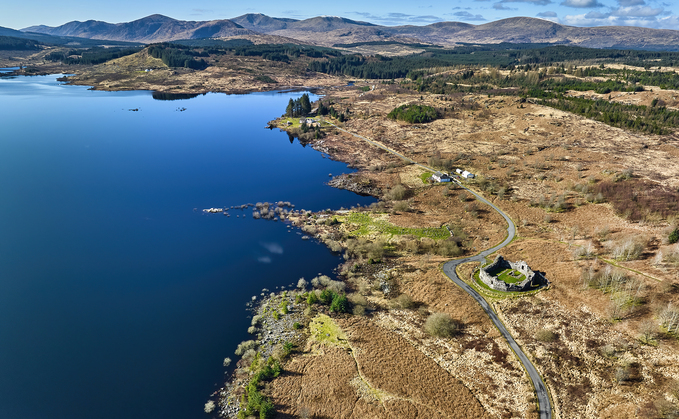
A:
(339, 30)
(154, 28)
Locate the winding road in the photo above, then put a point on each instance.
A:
(544, 403)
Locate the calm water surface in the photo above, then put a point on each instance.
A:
(117, 299)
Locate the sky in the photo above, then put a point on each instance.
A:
(646, 13)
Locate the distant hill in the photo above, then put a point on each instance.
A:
(330, 30)
(59, 40)
(262, 23)
(154, 28)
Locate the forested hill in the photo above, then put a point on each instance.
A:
(339, 30)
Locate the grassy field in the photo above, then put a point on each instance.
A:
(294, 121)
(368, 224)
(325, 330)
(507, 277)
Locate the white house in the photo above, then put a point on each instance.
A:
(441, 177)
(465, 174)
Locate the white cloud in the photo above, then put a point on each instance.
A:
(597, 15)
(537, 2)
(501, 6)
(398, 18)
(468, 16)
(264, 259)
(274, 248)
(631, 2)
(637, 11)
(581, 3)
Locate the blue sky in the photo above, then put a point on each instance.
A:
(648, 13)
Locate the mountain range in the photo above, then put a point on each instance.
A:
(332, 30)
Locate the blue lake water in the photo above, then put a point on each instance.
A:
(117, 299)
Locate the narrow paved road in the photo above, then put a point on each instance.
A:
(544, 404)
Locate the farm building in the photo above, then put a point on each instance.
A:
(440, 177)
(465, 174)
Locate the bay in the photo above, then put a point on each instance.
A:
(119, 297)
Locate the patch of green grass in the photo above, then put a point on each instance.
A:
(324, 330)
(368, 224)
(425, 176)
(507, 277)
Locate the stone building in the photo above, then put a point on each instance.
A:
(533, 280)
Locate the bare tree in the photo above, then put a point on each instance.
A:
(669, 318)
(647, 329)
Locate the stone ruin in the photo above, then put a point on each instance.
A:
(533, 281)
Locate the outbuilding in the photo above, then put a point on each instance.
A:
(465, 174)
(441, 177)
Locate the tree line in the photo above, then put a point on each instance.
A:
(503, 56)
(179, 56)
(298, 107)
(651, 120)
(415, 114)
(285, 52)
(10, 43)
(90, 56)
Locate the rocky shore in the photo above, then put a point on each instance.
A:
(277, 320)
(354, 183)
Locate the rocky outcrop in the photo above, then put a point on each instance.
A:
(355, 184)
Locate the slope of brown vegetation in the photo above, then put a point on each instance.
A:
(546, 169)
(381, 375)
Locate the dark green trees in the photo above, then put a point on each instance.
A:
(289, 111)
(415, 114)
(305, 104)
(298, 107)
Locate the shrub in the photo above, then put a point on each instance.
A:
(327, 296)
(622, 374)
(244, 346)
(311, 298)
(209, 406)
(302, 283)
(448, 248)
(296, 325)
(674, 236)
(396, 193)
(227, 362)
(358, 311)
(401, 206)
(441, 325)
(629, 249)
(544, 335)
(403, 301)
(266, 409)
(339, 304)
(672, 255)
